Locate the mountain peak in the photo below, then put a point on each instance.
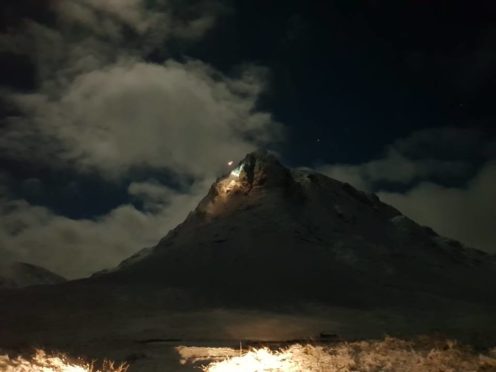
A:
(261, 168)
(272, 230)
(259, 171)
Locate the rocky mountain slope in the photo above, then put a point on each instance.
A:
(264, 231)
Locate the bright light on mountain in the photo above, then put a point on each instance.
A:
(236, 172)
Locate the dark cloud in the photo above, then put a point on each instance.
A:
(444, 154)
(444, 143)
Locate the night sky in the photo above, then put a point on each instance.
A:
(116, 116)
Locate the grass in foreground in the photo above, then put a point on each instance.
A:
(390, 354)
(40, 361)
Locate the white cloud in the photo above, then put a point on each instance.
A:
(174, 116)
(76, 248)
(461, 213)
(102, 107)
(466, 214)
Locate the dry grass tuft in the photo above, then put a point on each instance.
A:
(391, 354)
(41, 361)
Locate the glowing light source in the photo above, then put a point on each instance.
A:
(230, 163)
(236, 172)
(231, 182)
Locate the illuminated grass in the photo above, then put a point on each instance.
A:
(390, 354)
(42, 362)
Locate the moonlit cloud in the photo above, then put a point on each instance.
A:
(466, 213)
(102, 107)
(88, 34)
(463, 212)
(79, 247)
(107, 17)
(174, 116)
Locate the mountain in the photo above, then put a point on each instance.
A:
(265, 232)
(269, 253)
(20, 274)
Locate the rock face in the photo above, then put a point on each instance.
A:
(267, 232)
(20, 274)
